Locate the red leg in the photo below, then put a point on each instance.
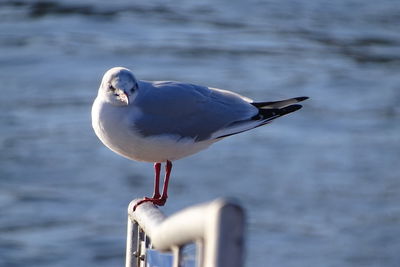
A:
(157, 169)
(156, 193)
(168, 168)
(157, 199)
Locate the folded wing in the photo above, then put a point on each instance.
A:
(201, 113)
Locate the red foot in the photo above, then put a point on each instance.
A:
(155, 201)
(157, 198)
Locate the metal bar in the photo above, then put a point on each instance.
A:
(130, 245)
(141, 248)
(219, 224)
(199, 253)
(138, 240)
(135, 239)
(142, 256)
(177, 253)
(224, 241)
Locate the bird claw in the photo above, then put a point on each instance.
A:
(156, 201)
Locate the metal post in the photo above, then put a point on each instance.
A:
(218, 225)
(177, 252)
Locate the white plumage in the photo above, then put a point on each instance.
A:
(164, 121)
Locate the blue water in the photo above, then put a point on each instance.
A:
(321, 187)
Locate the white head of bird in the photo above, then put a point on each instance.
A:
(119, 86)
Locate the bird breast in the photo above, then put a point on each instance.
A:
(114, 128)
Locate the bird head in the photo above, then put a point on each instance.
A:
(119, 86)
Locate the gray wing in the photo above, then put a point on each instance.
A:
(188, 110)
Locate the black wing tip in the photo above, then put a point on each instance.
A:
(267, 115)
(272, 103)
(290, 109)
(301, 98)
(271, 114)
(259, 104)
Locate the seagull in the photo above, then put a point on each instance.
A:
(163, 121)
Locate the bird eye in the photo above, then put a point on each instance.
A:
(110, 87)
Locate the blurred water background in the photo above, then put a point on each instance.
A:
(321, 187)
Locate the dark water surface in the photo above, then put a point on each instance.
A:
(321, 187)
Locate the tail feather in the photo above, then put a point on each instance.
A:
(276, 112)
(267, 111)
(279, 104)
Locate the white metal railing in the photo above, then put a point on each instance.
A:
(216, 227)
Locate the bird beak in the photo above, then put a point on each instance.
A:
(123, 96)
